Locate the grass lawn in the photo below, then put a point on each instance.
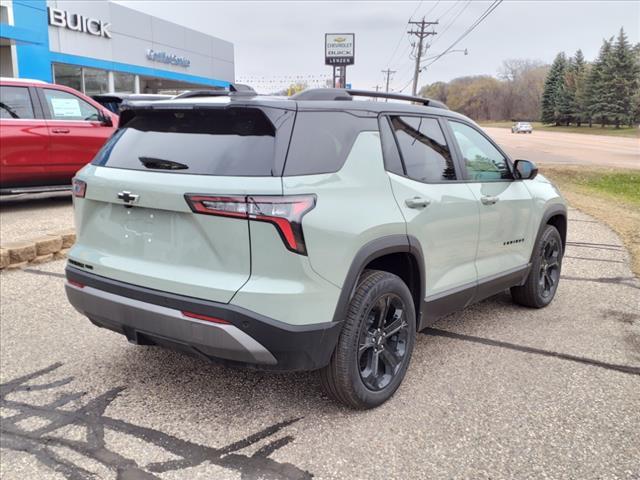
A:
(595, 130)
(610, 195)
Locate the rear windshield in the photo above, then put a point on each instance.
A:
(228, 142)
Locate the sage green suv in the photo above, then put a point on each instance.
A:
(318, 232)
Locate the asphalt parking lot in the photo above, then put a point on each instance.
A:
(496, 391)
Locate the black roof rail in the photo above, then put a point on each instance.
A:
(235, 89)
(348, 94)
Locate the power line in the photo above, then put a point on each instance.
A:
(395, 50)
(402, 36)
(448, 26)
(484, 15)
(448, 10)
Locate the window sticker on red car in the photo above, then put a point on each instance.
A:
(66, 107)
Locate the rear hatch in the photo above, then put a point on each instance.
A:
(137, 222)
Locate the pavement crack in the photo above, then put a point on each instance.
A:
(537, 351)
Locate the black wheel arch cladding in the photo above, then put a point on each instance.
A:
(378, 249)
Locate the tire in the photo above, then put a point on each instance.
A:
(349, 378)
(543, 279)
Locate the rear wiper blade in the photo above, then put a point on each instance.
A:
(161, 164)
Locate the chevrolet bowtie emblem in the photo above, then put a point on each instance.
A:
(128, 197)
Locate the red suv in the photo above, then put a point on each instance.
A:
(47, 133)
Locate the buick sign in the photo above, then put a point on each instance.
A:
(78, 23)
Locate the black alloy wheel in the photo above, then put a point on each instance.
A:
(549, 273)
(382, 347)
(374, 349)
(543, 279)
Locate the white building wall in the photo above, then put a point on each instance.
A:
(133, 32)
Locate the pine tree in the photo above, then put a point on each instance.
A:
(621, 76)
(580, 74)
(566, 95)
(635, 101)
(595, 90)
(552, 88)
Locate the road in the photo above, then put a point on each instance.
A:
(569, 148)
(497, 391)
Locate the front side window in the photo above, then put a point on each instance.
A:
(424, 150)
(65, 106)
(482, 160)
(15, 102)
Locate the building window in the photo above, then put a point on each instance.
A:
(67, 75)
(4, 14)
(95, 81)
(124, 82)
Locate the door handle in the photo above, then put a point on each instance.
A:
(417, 202)
(60, 130)
(488, 200)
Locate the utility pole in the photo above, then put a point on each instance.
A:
(377, 87)
(422, 33)
(388, 72)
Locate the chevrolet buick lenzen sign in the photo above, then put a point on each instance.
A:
(339, 48)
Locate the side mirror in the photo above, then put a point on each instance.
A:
(105, 119)
(525, 170)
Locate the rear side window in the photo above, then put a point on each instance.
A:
(321, 141)
(15, 102)
(229, 142)
(65, 106)
(424, 150)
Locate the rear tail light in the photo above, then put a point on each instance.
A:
(283, 212)
(79, 188)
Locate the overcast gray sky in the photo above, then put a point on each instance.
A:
(278, 40)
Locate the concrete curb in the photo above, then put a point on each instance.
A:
(52, 246)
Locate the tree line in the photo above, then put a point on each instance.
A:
(515, 94)
(569, 91)
(606, 91)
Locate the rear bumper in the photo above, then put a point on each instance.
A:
(152, 317)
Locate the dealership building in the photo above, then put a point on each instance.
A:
(101, 46)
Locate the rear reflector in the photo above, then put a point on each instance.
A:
(284, 212)
(206, 318)
(75, 284)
